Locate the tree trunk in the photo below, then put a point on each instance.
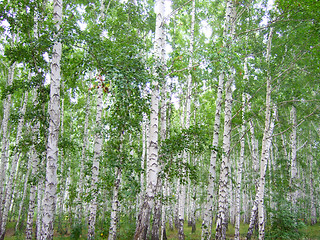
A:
(95, 166)
(221, 225)
(14, 166)
(49, 200)
(294, 171)
(313, 210)
(208, 211)
(239, 173)
(84, 158)
(152, 162)
(4, 148)
(115, 206)
(20, 223)
(221, 221)
(266, 143)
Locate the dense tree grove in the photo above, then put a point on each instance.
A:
(127, 119)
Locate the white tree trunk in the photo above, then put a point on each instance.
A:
(14, 166)
(221, 225)
(294, 171)
(4, 148)
(266, 143)
(239, 172)
(208, 211)
(84, 158)
(49, 200)
(95, 166)
(24, 195)
(32, 197)
(152, 164)
(221, 221)
(115, 206)
(40, 193)
(313, 209)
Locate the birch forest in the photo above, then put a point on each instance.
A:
(164, 119)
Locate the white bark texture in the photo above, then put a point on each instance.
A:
(208, 211)
(40, 192)
(221, 223)
(182, 193)
(153, 164)
(49, 200)
(95, 166)
(115, 206)
(266, 143)
(158, 227)
(4, 148)
(32, 197)
(313, 210)
(24, 195)
(239, 172)
(294, 171)
(84, 158)
(225, 165)
(14, 166)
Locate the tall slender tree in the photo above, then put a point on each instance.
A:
(49, 200)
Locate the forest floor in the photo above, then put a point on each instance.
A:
(310, 232)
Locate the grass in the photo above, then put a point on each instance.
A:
(197, 235)
(311, 233)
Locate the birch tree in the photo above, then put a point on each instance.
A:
(14, 166)
(153, 164)
(221, 224)
(95, 164)
(49, 200)
(266, 143)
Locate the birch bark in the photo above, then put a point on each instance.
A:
(294, 171)
(14, 163)
(221, 221)
(32, 197)
(19, 223)
(5, 141)
(208, 211)
(159, 213)
(153, 165)
(221, 225)
(182, 193)
(313, 210)
(95, 166)
(115, 206)
(49, 200)
(79, 210)
(115, 199)
(240, 165)
(266, 143)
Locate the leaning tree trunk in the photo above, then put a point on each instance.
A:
(95, 166)
(152, 162)
(4, 148)
(20, 222)
(14, 163)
